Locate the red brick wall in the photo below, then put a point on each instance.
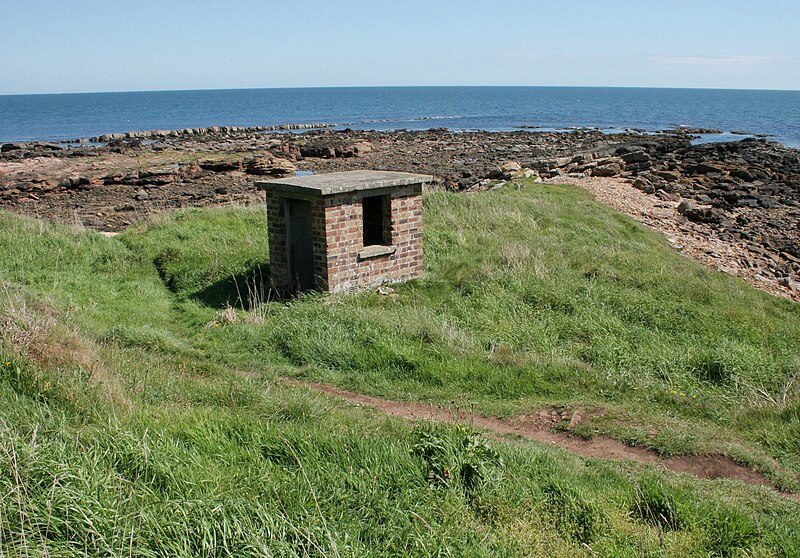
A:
(318, 233)
(346, 271)
(338, 238)
(276, 229)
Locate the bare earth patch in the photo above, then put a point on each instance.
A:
(698, 241)
(538, 427)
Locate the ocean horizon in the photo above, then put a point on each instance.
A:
(63, 117)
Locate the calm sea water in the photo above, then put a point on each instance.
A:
(70, 116)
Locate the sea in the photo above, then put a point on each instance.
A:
(736, 113)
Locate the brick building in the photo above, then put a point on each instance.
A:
(344, 231)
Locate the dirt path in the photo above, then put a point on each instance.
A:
(538, 428)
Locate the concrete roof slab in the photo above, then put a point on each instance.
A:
(342, 182)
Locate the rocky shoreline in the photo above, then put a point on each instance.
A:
(743, 194)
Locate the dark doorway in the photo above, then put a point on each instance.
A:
(299, 245)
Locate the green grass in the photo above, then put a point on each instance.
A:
(140, 415)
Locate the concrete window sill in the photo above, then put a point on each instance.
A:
(376, 251)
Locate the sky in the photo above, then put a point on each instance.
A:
(62, 46)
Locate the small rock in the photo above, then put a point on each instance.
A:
(789, 283)
(220, 166)
(6, 147)
(270, 166)
(610, 169)
(698, 214)
(360, 148)
(669, 176)
(667, 196)
(702, 168)
(506, 170)
(636, 157)
(644, 185)
(529, 173)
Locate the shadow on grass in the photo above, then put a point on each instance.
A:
(245, 290)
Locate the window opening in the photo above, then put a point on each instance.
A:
(376, 220)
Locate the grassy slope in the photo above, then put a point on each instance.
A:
(126, 428)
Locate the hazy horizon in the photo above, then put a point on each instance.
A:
(92, 46)
(393, 86)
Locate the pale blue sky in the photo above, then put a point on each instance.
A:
(54, 46)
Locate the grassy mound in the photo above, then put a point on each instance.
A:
(140, 412)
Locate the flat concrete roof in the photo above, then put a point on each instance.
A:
(342, 182)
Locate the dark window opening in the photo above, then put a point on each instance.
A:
(376, 220)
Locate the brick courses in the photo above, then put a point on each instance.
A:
(341, 262)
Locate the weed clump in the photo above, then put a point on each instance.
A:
(728, 531)
(724, 531)
(654, 503)
(709, 367)
(457, 457)
(576, 517)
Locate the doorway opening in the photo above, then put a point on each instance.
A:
(299, 245)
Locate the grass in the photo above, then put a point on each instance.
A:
(141, 413)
